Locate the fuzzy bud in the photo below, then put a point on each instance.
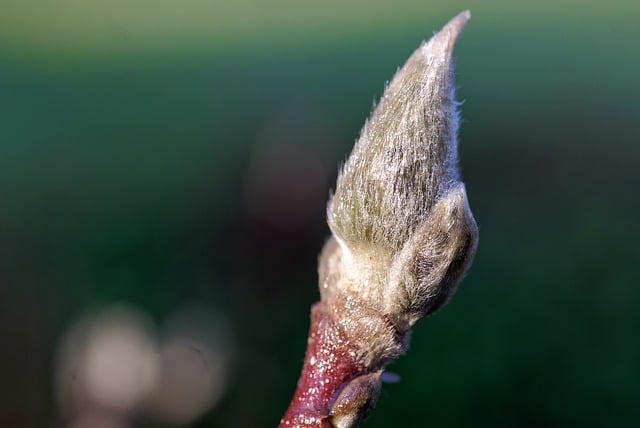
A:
(403, 238)
(404, 231)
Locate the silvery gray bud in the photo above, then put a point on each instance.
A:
(404, 233)
(406, 156)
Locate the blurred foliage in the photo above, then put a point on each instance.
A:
(129, 133)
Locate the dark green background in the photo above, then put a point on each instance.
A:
(130, 133)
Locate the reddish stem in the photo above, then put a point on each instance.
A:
(329, 364)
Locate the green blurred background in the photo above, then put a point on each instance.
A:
(156, 153)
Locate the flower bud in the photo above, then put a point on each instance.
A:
(404, 231)
(403, 238)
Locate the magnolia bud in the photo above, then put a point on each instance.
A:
(399, 214)
(403, 238)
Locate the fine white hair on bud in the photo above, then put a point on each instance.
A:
(404, 235)
(403, 238)
(406, 156)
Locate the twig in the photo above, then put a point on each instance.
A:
(403, 238)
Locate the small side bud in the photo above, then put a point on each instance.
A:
(356, 400)
(426, 273)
